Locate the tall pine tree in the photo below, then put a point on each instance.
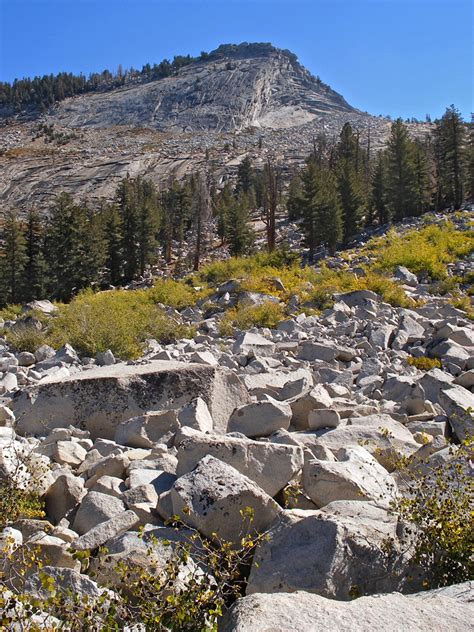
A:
(400, 188)
(451, 156)
(35, 267)
(14, 257)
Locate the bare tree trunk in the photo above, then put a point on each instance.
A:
(270, 203)
(203, 216)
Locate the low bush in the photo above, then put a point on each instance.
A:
(244, 267)
(437, 503)
(118, 320)
(424, 363)
(25, 339)
(425, 251)
(10, 312)
(174, 294)
(329, 282)
(244, 317)
(463, 303)
(186, 590)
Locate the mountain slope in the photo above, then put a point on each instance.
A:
(234, 88)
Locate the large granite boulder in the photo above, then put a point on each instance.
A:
(215, 497)
(335, 553)
(101, 398)
(444, 610)
(270, 465)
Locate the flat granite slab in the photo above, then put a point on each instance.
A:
(99, 399)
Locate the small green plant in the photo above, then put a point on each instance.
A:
(25, 338)
(437, 503)
(424, 363)
(244, 317)
(119, 320)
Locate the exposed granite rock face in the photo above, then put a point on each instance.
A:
(101, 398)
(251, 101)
(445, 610)
(255, 86)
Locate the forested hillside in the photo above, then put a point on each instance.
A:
(343, 189)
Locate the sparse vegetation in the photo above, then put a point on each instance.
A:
(424, 363)
(243, 317)
(424, 252)
(438, 504)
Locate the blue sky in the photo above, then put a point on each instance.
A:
(399, 57)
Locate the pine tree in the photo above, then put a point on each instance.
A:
(380, 210)
(128, 209)
(244, 176)
(240, 235)
(224, 203)
(89, 247)
(202, 214)
(148, 221)
(422, 179)
(400, 172)
(328, 209)
(470, 167)
(451, 153)
(113, 244)
(294, 201)
(350, 177)
(321, 211)
(74, 248)
(14, 257)
(270, 202)
(35, 267)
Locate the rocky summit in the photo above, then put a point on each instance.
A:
(247, 100)
(233, 88)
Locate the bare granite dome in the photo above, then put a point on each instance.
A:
(234, 87)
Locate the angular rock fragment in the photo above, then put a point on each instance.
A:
(214, 498)
(329, 552)
(260, 419)
(269, 465)
(147, 430)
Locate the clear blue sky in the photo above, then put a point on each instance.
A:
(399, 57)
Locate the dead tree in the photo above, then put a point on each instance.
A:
(203, 214)
(270, 202)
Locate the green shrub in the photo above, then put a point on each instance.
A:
(438, 503)
(25, 338)
(329, 282)
(119, 320)
(243, 267)
(172, 594)
(463, 303)
(424, 363)
(243, 317)
(10, 312)
(425, 251)
(172, 293)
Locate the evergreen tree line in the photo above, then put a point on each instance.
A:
(75, 246)
(40, 93)
(343, 188)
